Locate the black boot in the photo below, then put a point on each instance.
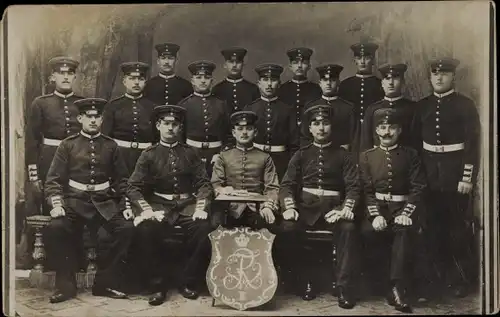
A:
(309, 293)
(345, 299)
(396, 299)
(157, 298)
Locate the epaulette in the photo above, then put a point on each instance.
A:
(225, 149)
(346, 101)
(153, 146)
(45, 96)
(185, 99)
(305, 146)
(71, 137)
(371, 150)
(117, 98)
(107, 137)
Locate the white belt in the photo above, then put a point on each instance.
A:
(443, 148)
(204, 145)
(270, 148)
(51, 142)
(389, 197)
(321, 192)
(133, 145)
(88, 187)
(172, 196)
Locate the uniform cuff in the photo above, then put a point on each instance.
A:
(56, 201)
(373, 211)
(468, 168)
(200, 205)
(270, 204)
(409, 209)
(144, 205)
(289, 203)
(32, 172)
(349, 204)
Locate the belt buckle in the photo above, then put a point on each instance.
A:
(388, 197)
(176, 196)
(267, 148)
(205, 145)
(134, 145)
(90, 187)
(439, 148)
(321, 192)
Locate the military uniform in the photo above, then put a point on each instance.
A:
(87, 178)
(171, 177)
(236, 92)
(298, 92)
(127, 119)
(278, 133)
(167, 89)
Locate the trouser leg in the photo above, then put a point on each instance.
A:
(347, 253)
(401, 255)
(148, 252)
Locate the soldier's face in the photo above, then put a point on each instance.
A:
(63, 80)
(320, 130)
(392, 85)
(244, 135)
(329, 86)
(268, 86)
(91, 123)
(167, 63)
(201, 82)
(388, 134)
(300, 67)
(364, 64)
(169, 128)
(442, 81)
(134, 85)
(233, 67)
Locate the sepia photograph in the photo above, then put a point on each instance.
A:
(250, 159)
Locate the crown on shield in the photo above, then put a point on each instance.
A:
(242, 240)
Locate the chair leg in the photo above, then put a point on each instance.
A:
(213, 302)
(39, 250)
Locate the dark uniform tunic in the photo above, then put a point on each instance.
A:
(369, 138)
(87, 178)
(276, 126)
(128, 120)
(172, 178)
(297, 94)
(163, 90)
(237, 93)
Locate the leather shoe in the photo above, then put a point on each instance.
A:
(59, 297)
(157, 298)
(108, 292)
(344, 299)
(188, 292)
(309, 293)
(397, 300)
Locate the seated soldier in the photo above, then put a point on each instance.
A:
(319, 192)
(393, 185)
(243, 170)
(170, 187)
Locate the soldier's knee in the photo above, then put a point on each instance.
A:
(57, 226)
(145, 228)
(287, 227)
(204, 226)
(347, 226)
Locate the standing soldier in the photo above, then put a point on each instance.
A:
(393, 187)
(447, 127)
(86, 184)
(344, 119)
(299, 91)
(392, 83)
(127, 119)
(167, 88)
(236, 91)
(277, 132)
(364, 88)
(207, 117)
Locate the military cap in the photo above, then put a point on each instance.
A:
(269, 70)
(91, 105)
(302, 53)
(167, 49)
(386, 116)
(318, 112)
(445, 64)
(63, 63)
(243, 118)
(134, 68)
(234, 53)
(329, 71)
(201, 67)
(364, 49)
(169, 112)
(395, 70)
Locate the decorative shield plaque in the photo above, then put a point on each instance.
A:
(241, 273)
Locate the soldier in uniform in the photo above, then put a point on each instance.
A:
(277, 131)
(207, 117)
(320, 191)
(170, 187)
(344, 119)
(392, 83)
(235, 90)
(127, 119)
(393, 187)
(447, 128)
(167, 87)
(299, 91)
(364, 88)
(85, 184)
(246, 169)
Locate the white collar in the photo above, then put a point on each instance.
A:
(449, 92)
(299, 81)
(393, 99)
(364, 75)
(170, 145)
(244, 149)
(388, 148)
(132, 97)
(166, 76)
(234, 81)
(269, 99)
(322, 145)
(202, 95)
(88, 136)
(329, 98)
(58, 94)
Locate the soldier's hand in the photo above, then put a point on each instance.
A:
(290, 214)
(128, 214)
(333, 216)
(403, 220)
(347, 214)
(464, 187)
(200, 214)
(148, 213)
(57, 212)
(267, 214)
(379, 223)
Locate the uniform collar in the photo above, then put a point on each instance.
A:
(449, 92)
(88, 136)
(170, 145)
(387, 149)
(299, 81)
(329, 98)
(244, 149)
(269, 99)
(322, 145)
(364, 75)
(202, 95)
(132, 97)
(166, 76)
(234, 81)
(393, 99)
(58, 94)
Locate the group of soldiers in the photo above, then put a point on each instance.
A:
(354, 157)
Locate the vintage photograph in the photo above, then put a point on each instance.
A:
(251, 159)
